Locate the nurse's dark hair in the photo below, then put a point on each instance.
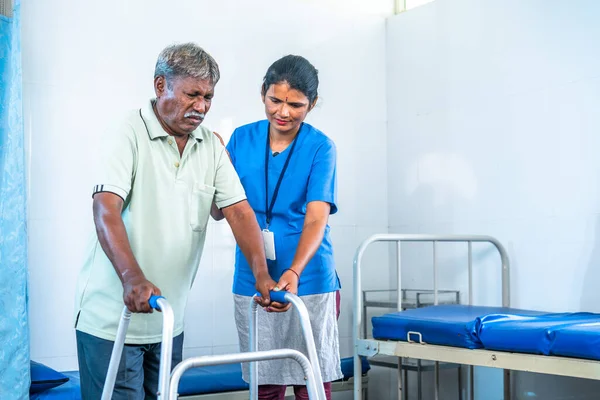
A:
(298, 72)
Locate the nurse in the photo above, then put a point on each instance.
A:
(288, 170)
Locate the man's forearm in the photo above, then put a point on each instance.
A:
(247, 234)
(115, 243)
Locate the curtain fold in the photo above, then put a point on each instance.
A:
(14, 328)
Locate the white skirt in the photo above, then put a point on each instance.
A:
(283, 331)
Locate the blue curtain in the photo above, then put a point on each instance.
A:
(14, 328)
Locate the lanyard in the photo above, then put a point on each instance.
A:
(269, 208)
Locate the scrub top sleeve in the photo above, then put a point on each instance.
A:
(118, 160)
(322, 182)
(231, 147)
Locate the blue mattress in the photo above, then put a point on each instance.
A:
(213, 379)
(527, 334)
(581, 341)
(496, 328)
(448, 325)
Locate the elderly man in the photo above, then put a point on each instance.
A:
(151, 207)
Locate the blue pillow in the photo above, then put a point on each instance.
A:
(348, 366)
(44, 378)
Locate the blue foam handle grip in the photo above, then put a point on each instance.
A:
(278, 296)
(154, 301)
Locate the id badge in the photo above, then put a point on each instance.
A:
(269, 240)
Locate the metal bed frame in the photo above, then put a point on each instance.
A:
(573, 367)
(411, 298)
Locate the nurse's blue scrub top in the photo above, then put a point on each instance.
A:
(310, 176)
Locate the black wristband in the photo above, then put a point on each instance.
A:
(289, 269)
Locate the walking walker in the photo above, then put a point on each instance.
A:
(167, 388)
(166, 348)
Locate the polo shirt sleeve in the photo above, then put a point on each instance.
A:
(229, 189)
(322, 182)
(118, 160)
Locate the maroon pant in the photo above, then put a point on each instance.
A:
(277, 392)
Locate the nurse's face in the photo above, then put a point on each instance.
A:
(286, 108)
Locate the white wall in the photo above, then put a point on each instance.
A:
(493, 129)
(490, 128)
(85, 63)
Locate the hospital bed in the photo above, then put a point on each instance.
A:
(566, 344)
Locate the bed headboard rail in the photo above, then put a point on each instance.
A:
(406, 238)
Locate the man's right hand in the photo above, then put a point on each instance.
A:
(136, 293)
(264, 284)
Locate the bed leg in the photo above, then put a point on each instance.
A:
(471, 383)
(405, 391)
(419, 381)
(507, 391)
(437, 380)
(459, 372)
(400, 378)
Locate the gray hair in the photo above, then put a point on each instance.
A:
(186, 60)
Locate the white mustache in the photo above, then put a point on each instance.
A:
(194, 114)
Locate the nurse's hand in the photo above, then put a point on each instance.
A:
(288, 283)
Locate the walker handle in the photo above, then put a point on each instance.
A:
(279, 296)
(154, 301)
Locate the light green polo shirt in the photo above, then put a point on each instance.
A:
(167, 202)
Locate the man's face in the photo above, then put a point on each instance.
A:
(183, 103)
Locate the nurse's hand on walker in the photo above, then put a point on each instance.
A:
(288, 283)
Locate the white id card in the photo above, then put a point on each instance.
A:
(269, 240)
